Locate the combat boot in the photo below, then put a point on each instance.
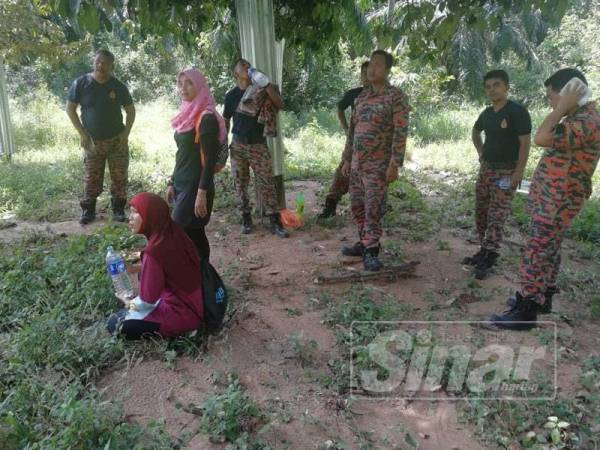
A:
(277, 227)
(357, 249)
(546, 308)
(328, 209)
(524, 312)
(118, 207)
(88, 211)
(371, 259)
(485, 264)
(474, 260)
(246, 223)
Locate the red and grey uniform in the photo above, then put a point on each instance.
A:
(561, 184)
(493, 192)
(341, 183)
(377, 133)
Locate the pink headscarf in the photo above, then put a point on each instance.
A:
(189, 112)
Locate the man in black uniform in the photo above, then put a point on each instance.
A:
(340, 184)
(503, 157)
(102, 133)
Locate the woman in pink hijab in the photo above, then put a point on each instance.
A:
(199, 133)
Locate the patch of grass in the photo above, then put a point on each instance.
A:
(354, 323)
(305, 350)
(54, 299)
(232, 416)
(526, 424)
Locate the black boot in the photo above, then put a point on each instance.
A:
(474, 260)
(246, 223)
(546, 308)
(328, 209)
(485, 264)
(357, 249)
(88, 211)
(524, 311)
(277, 227)
(371, 259)
(118, 207)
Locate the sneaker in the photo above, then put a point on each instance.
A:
(328, 209)
(371, 259)
(524, 311)
(277, 227)
(474, 260)
(357, 249)
(246, 223)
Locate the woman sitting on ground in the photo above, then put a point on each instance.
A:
(199, 132)
(170, 300)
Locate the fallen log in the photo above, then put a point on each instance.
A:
(387, 272)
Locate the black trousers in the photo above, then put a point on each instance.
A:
(131, 329)
(183, 214)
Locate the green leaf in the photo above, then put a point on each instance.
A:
(88, 18)
(411, 441)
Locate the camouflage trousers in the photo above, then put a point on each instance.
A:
(368, 188)
(557, 194)
(492, 206)
(340, 185)
(257, 157)
(116, 152)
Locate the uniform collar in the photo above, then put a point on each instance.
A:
(371, 90)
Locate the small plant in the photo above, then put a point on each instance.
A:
(305, 350)
(230, 415)
(443, 245)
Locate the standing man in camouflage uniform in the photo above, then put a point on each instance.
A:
(249, 149)
(373, 154)
(503, 157)
(561, 184)
(102, 133)
(340, 184)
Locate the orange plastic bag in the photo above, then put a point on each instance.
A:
(290, 219)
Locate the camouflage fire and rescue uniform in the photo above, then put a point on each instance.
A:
(97, 153)
(561, 184)
(254, 119)
(102, 119)
(500, 154)
(257, 157)
(377, 133)
(341, 183)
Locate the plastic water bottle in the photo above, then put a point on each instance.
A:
(300, 204)
(257, 77)
(504, 183)
(115, 265)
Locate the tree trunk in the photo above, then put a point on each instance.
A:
(257, 41)
(6, 139)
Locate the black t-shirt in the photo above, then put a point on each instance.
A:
(502, 130)
(244, 126)
(100, 105)
(188, 174)
(348, 98)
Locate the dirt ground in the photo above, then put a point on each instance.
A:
(277, 279)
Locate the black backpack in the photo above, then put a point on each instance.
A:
(215, 297)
